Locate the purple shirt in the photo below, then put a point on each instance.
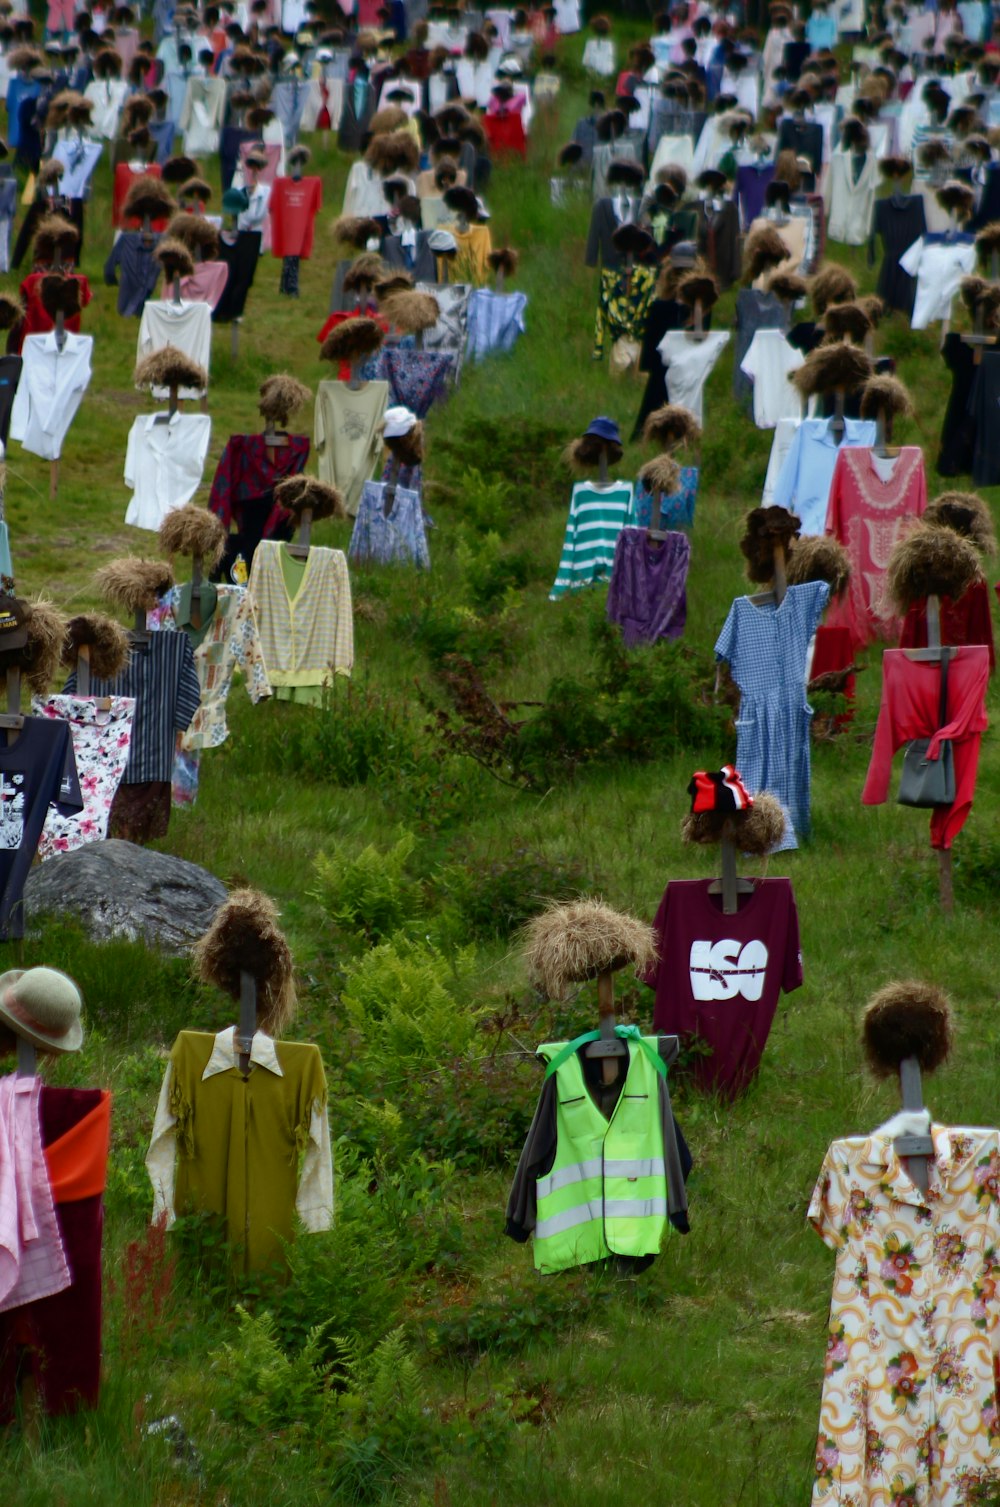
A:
(648, 590)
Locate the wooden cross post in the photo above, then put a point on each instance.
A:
(916, 1150)
(196, 620)
(606, 1021)
(729, 901)
(83, 670)
(389, 496)
(780, 576)
(248, 1020)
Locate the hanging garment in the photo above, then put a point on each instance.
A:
(288, 101)
(966, 621)
(938, 264)
(717, 978)
(596, 517)
(794, 230)
(910, 708)
(803, 484)
(804, 138)
(958, 429)
(909, 1396)
(10, 375)
(624, 298)
(899, 222)
(37, 319)
(8, 209)
(755, 310)
(471, 265)
(59, 1337)
(647, 595)
(348, 435)
(202, 115)
(125, 176)
(188, 326)
(495, 321)
(206, 284)
(769, 363)
(604, 1166)
(399, 538)
(851, 196)
(409, 251)
(752, 181)
(240, 251)
(134, 256)
(626, 149)
(417, 379)
(832, 652)
(766, 649)
(984, 407)
(32, 1260)
(36, 772)
(452, 329)
(50, 391)
(79, 156)
(605, 217)
(243, 494)
(872, 502)
(295, 203)
(719, 240)
(689, 363)
(107, 97)
(599, 56)
(230, 1145)
(102, 738)
(164, 464)
(304, 617)
(664, 314)
(675, 511)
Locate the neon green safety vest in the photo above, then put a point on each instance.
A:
(606, 1194)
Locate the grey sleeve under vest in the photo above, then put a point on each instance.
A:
(536, 1160)
(676, 1193)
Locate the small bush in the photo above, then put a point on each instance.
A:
(493, 900)
(354, 736)
(443, 628)
(508, 1324)
(370, 895)
(489, 572)
(402, 1000)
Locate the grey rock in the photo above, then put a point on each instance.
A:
(116, 890)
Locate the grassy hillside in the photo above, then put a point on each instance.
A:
(414, 1357)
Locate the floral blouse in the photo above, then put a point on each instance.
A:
(231, 640)
(909, 1416)
(101, 729)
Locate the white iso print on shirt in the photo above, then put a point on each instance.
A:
(722, 970)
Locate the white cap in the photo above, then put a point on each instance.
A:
(398, 421)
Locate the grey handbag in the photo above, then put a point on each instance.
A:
(930, 782)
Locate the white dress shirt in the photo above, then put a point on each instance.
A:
(188, 326)
(164, 464)
(689, 363)
(314, 1200)
(79, 156)
(939, 267)
(107, 96)
(52, 384)
(769, 363)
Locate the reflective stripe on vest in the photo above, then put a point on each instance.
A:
(606, 1193)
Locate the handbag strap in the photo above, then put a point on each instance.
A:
(943, 701)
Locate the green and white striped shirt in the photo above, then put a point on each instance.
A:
(596, 517)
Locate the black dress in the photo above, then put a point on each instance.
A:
(958, 432)
(719, 241)
(899, 221)
(755, 310)
(665, 314)
(984, 406)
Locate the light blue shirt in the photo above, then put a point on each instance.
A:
(803, 484)
(821, 30)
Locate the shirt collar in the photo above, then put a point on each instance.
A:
(152, 424)
(952, 1149)
(263, 1053)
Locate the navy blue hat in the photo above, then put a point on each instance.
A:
(603, 428)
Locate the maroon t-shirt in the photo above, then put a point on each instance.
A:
(718, 977)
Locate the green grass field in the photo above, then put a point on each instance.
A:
(443, 1371)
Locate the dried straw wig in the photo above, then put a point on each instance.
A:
(988, 241)
(409, 449)
(931, 153)
(104, 637)
(671, 426)
(571, 943)
(299, 156)
(907, 1018)
(931, 562)
(138, 110)
(982, 299)
(957, 199)
(830, 367)
(133, 585)
(846, 321)
(767, 528)
(396, 281)
(410, 312)
(505, 260)
(387, 121)
(764, 250)
(819, 557)
(364, 272)
(662, 475)
(38, 659)
(299, 494)
(895, 167)
(148, 196)
(886, 396)
(175, 259)
(698, 287)
(756, 831)
(196, 232)
(195, 188)
(570, 154)
(169, 367)
(179, 169)
(60, 294)
(353, 340)
(832, 284)
(245, 936)
(584, 453)
(964, 513)
(50, 173)
(788, 286)
(281, 395)
(11, 310)
(55, 233)
(194, 532)
(393, 152)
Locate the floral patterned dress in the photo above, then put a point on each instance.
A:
(909, 1416)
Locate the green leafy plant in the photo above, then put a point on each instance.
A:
(265, 1387)
(493, 900)
(402, 999)
(372, 894)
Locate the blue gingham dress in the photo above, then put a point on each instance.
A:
(766, 649)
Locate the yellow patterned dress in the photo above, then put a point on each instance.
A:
(910, 1410)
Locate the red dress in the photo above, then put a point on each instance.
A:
(125, 176)
(36, 320)
(868, 515)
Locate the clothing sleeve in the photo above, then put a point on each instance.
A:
(910, 260)
(130, 453)
(673, 1157)
(828, 1207)
(188, 697)
(594, 236)
(247, 652)
(314, 1199)
(537, 1157)
(786, 485)
(876, 786)
(85, 293)
(112, 264)
(815, 605)
(725, 644)
(791, 977)
(834, 523)
(750, 365)
(343, 648)
(220, 497)
(162, 1154)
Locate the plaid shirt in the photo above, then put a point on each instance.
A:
(248, 470)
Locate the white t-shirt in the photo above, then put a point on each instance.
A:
(164, 465)
(188, 326)
(688, 363)
(939, 268)
(769, 364)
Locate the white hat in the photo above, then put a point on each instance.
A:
(397, 421)
(42, 1005)
(510, 66)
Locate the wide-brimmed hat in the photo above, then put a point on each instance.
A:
(43, 1006)
(603, 428)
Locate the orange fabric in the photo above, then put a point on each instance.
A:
(78, 1160)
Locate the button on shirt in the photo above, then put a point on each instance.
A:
(164, 464)
(52, 384)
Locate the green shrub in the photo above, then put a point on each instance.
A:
(490, 573)
(493, 900)
(509, 1323)
(442, 628)
(370, 895)
(526, 454)
(402, 1000)
(355, 735)
(267, 1389)
(475, 1113)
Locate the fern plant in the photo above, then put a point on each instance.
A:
(371, 895)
